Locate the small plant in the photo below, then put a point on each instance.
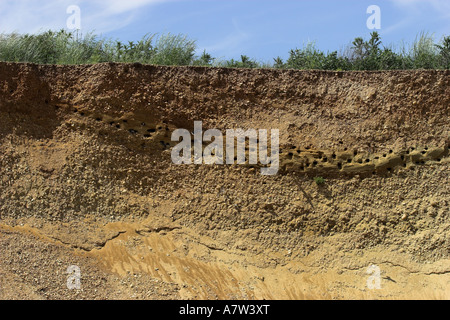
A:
(444, 51)
(205, 60)
(278, 63)
(245, 62)
(319, 181)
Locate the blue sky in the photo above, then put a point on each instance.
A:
(261, 29)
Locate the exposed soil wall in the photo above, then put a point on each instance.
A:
(85, 162)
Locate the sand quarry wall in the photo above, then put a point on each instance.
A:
(92, 143)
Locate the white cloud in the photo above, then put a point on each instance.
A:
(442, 7)
(414, 12)
(121, 6)
(99, 15)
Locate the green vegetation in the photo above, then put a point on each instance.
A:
(71, 48)
(319, 181)
(65, 47)
(372, 55)
(245, 62)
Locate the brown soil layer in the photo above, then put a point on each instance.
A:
(87, 179)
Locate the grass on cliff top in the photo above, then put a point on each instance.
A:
(65, 47)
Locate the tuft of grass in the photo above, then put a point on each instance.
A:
(424, 54)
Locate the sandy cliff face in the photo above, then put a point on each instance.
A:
(87, 179)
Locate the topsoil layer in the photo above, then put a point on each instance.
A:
(87, 179)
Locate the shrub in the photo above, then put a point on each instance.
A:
(245, 62)
(444, 52)
(205, 60)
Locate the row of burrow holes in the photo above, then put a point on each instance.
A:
(322, 157)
